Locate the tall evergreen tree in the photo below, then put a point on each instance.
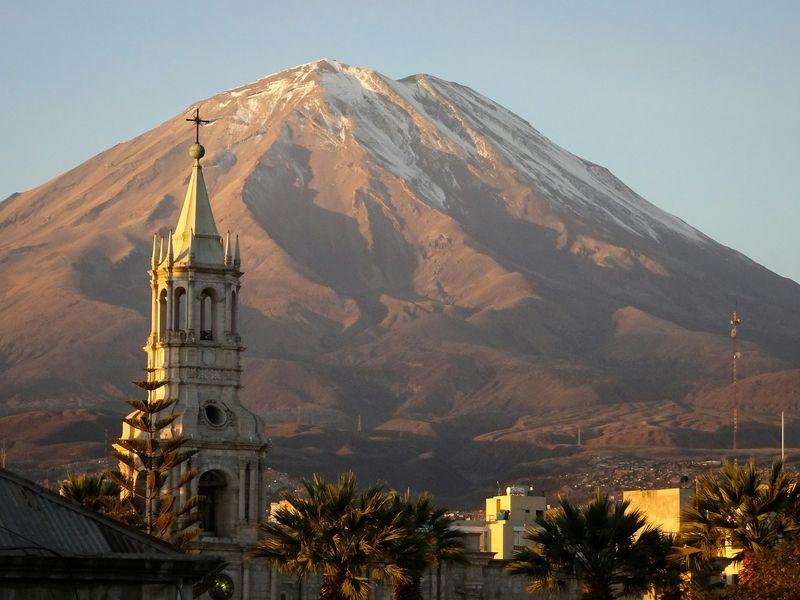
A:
(147, 462)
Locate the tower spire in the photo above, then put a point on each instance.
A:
(196, 236)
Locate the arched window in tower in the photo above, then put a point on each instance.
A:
(234, 312)
(208, 314)
(162, 314)
(215, 504)
(179, 306)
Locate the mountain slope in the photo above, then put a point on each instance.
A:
(414, 253)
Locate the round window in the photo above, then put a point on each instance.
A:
(215, 415)
(222, 588)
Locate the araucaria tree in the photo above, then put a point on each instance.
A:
(333, 530)
(148, 476)
(603, 547)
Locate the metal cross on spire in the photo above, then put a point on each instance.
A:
(197, 122)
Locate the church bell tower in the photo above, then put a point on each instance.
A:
(195, 346)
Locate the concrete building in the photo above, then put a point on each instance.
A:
(51, 549)
(194, 345)
(662, 508)
(508, 518)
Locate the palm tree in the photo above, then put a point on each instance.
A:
(94, 492)
(333, 530)
(667, 576)
(429, 539)
(738, 513)
(603, 546)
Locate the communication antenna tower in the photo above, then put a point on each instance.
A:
(736, 355)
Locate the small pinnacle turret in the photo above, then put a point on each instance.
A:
(155, 255)
(228, 254)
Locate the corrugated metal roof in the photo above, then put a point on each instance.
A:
(34, 520)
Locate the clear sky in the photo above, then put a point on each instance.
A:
(695, 105)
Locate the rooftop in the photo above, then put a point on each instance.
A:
(36, 521)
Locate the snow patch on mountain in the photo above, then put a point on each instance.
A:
(568, 181)
(391, 119)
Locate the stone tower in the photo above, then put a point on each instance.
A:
(195, 346)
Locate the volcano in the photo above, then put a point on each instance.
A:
(435, 293)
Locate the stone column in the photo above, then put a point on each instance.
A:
(227, 309)
(246, 579)
(170, 304)
(256, 480)
(154, 310)
(195, 481)
(274, 580)
(242, 489)
(182, 491)
(190, 301)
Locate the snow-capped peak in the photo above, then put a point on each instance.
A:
(401, 122)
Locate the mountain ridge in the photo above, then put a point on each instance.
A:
(415, 255)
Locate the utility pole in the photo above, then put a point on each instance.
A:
(735, 322)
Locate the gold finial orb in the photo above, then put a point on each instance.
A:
(197, 151)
